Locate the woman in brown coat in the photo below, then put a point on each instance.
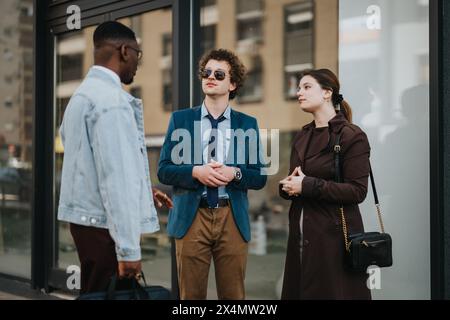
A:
(315, 267)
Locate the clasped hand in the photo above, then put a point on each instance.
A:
(292, 184)
(214, 174)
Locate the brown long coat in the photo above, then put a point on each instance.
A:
(321, 274)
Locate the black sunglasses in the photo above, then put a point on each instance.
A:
(218, 74)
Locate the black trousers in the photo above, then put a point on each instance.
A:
(97, 254)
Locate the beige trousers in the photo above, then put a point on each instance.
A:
(213, 234)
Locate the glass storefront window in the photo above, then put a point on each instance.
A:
(16, 136)
(384, 72)
(384, 76)
(73, 58)
(154, 86)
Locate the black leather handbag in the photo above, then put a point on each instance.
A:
(367, 248)
(137, 292)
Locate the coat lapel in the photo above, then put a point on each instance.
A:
(302, 141)
(234, 120)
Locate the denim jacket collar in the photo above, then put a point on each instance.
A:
(100, 72)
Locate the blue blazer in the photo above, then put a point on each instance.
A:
(187, 190)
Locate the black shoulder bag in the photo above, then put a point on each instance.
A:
(137, 292)
(367, 248)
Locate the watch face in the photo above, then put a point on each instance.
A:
(238, 175)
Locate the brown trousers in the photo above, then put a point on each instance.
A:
(97, 254)
(212, 234)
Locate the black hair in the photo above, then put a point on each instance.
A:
(112, 30)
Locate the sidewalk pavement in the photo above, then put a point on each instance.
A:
(18, 290)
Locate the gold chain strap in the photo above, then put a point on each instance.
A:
(344, 228)
(380, 219)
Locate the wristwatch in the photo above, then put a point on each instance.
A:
(237, 174)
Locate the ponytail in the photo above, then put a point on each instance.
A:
(346, 110)
(342, 106)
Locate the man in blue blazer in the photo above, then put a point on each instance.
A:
(212, 156)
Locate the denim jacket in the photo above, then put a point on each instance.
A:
(105, 179)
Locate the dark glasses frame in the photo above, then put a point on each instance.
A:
(138, 51)
(219, 75)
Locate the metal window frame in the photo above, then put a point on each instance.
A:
(440, 288)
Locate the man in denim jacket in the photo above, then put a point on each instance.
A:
(106, 193)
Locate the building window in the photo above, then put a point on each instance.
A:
(28, 107)
(71, 67)
(61, 105)
(8, 102)
(167, 89)
(8, 32)
(28, 60)
(136, 26)
(28, 131)
(249, 6)
(167, 44)
(208, 38)
(166, 63)
(8, 79)
(207, 3)
(26, 10)
(298, 43)
(249, 16)
(209, 16)
(26, 38)
(28, 81)
(252, 91)
(249, 29)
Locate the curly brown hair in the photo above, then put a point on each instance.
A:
(237, 68)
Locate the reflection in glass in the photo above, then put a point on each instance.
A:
(384, 73)
(153, 85)
(73, 58)
(16, 134)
